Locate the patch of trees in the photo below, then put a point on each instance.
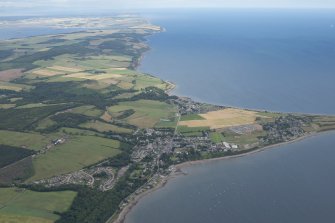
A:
(126, 113)
(5, 53)
(9, 154)
(63, 92)
(17, 172)
(70, 120)
(23, 119)
(53, 41)
(118, 161)
(91, 205)
(151, 93)
(27, 61)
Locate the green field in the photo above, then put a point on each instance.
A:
(191, 117)
(35, 105)
(73, 155)
(250, 138)
(82, 132)
(147, 112)
(88, 110)
(25, 206)
(183, 129)
(13, 87)
(167, 123)
(34, 141)
(6, 106)
(216, 137)
(105, 127)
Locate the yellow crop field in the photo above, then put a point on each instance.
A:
(66, 69)
(223, 118)
(47, 72)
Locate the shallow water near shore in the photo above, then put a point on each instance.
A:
(290, 183)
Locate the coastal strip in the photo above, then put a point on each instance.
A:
(177, 171)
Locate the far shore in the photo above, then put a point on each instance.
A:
(178, 171)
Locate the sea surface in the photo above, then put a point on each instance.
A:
(277, 60)
(8, 32)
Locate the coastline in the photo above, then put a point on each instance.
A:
(122, 215)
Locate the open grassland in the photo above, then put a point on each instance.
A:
(82, 132)
(246, 139)
(47, 72)
(322, 123)
(224, 118)
(143, 81)
(105, 127)
(96, 77)
(6, 106)
(34, 141)
(44, 124)
(34, 105)
(191, 117)
(191, 131)
(75, 154)
(66, 69)
(147, 113)
(88, 110)
(105, 62)
(216, 137)
(167, 123)
(14, 87)
(25, 206)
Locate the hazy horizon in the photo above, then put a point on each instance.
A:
(39, 7)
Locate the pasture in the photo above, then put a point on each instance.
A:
(33, 141)
(20, 205)
(88, 110)
(6, 106)
(14, 87)
(147, 112)
(46, 72)
(105, 127)
(76, 153)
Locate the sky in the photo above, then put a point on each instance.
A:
(8, 7)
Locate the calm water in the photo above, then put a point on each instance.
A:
(273, 60)
(8, 32)
(291, 184)
(282, 61)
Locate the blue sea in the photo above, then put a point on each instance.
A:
(277, 60)
(10, 32)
